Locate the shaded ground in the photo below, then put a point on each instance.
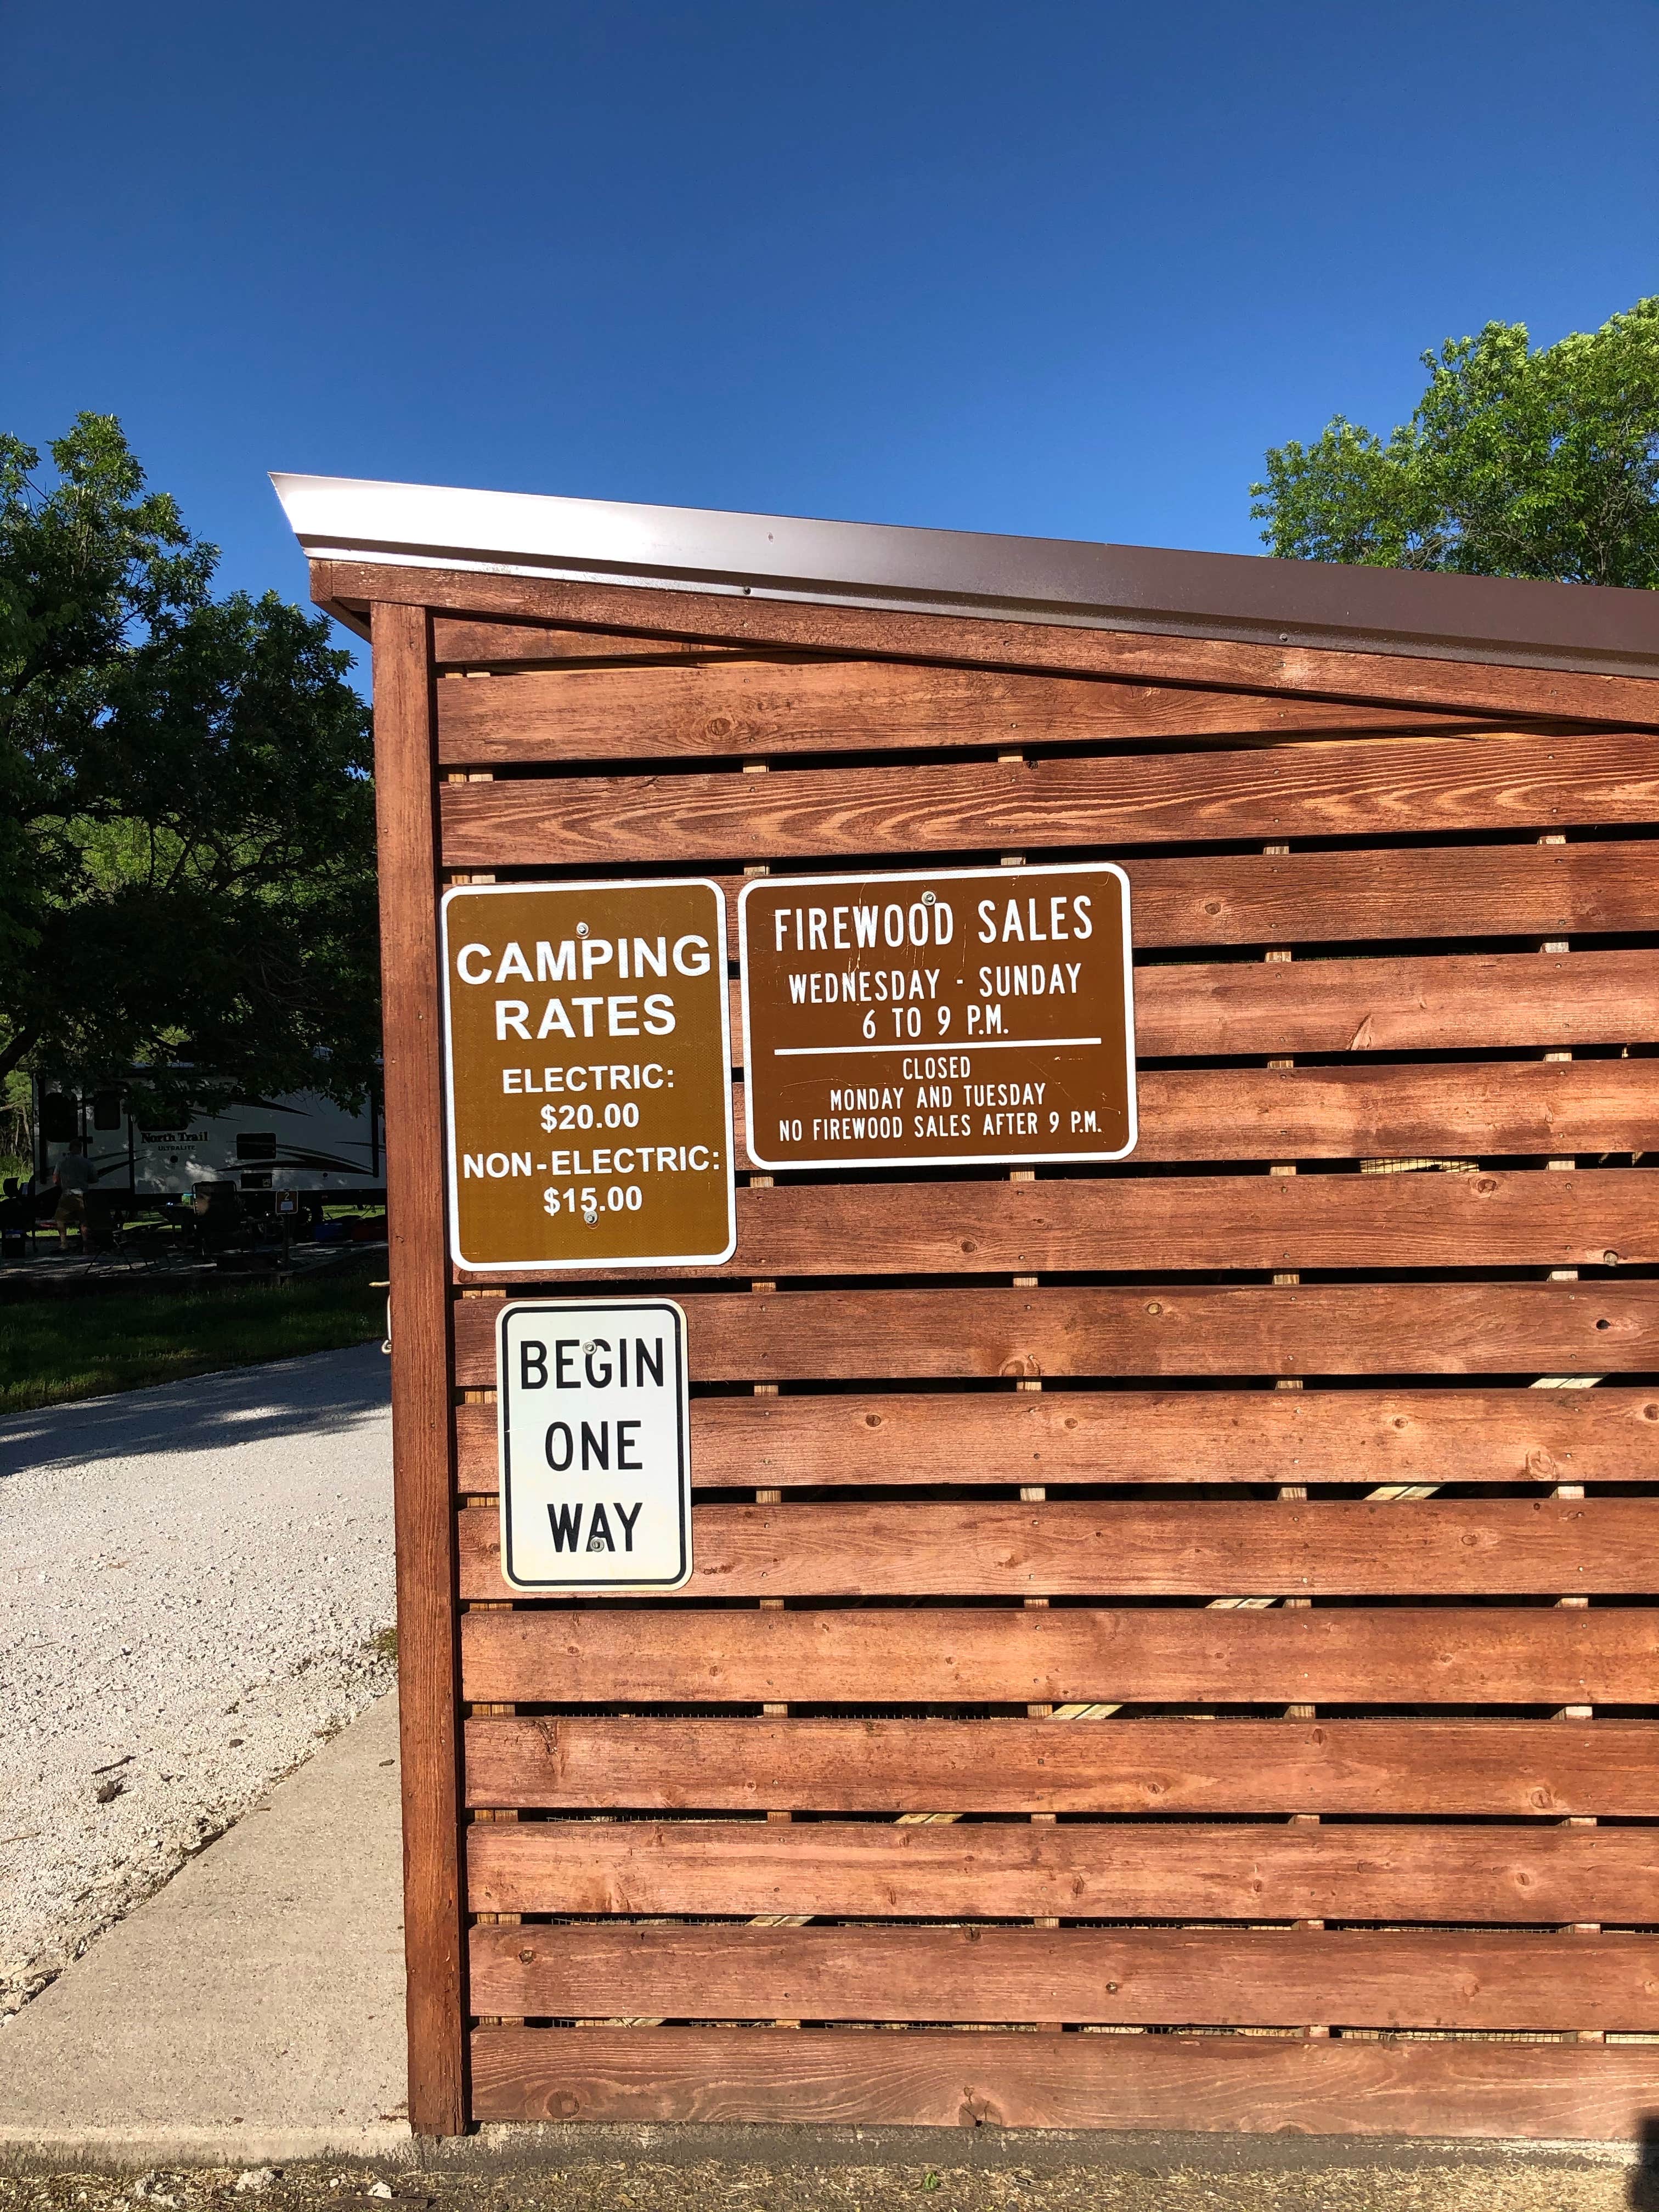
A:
(61, 1347)
(1503, 2186)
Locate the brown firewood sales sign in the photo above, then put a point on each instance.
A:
(973, 1016)
(589, 1075)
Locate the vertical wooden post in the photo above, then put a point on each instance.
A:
(421, 1429)
(1292, 1492)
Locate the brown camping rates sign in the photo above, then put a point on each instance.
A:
(589, 1075)
(956, 1017)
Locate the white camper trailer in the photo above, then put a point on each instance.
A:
(301, 1142)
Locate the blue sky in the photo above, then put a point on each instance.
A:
(1058, 269)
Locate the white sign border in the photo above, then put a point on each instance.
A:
(504, 1388)
(1009, 876)
(586, 1265)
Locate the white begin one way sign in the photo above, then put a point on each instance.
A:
(595, 1454)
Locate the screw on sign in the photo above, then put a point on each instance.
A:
(975, 1015)
(589, 1075)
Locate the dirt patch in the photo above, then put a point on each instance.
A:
(1518, 2185)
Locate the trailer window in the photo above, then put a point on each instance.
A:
(256, 1144)
(57, 1122)
(107, 1109)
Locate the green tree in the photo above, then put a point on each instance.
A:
(1515, 462)
(186, 833)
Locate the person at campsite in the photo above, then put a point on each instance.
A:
(75, 1177)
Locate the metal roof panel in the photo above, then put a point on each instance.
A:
(1146, 589)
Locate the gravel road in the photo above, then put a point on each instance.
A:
(198, 1586)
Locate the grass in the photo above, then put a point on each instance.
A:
(55, 1349)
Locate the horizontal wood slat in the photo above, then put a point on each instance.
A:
(1054, 1437)
(1494, 1106)
(982, 641)
(1133, 1223)
(1508, 1768)
(1304, 898)
(1107, 1871)
(1194, 1010)
(1547, 1108)
(1153, 1977)
(1399, 1111)
(1211, 1010)
(458, 642)
(1366, 787)
(1136, 1224)
(1523, 891)
(753, 709)
(1224, 1009)
(1229, 2084)
(1321, 1328)
(1426, 892)
(1492, 1546)
(1339, 1654)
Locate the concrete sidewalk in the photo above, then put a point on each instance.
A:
(253, 2009)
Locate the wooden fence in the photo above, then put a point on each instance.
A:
(1169, 1644)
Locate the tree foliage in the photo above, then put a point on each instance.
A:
(1515, 462)
(187, 834)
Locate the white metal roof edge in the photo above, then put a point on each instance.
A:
(538, 534)
(875, 565)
